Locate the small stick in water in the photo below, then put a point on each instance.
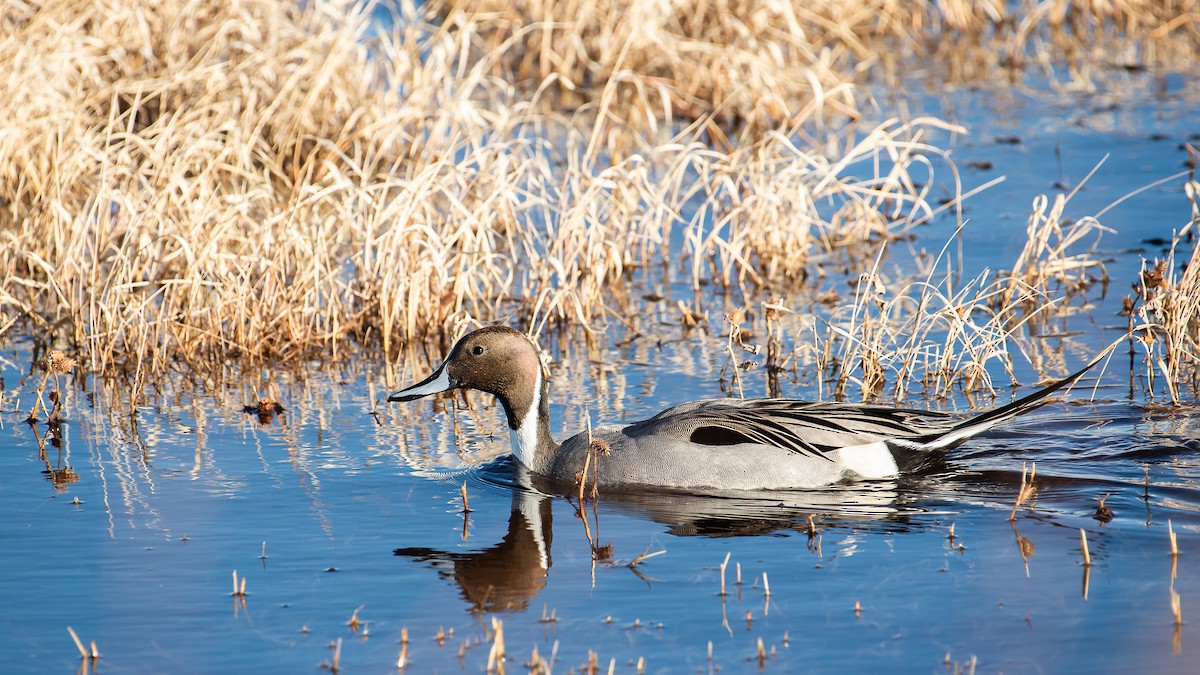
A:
(84, 653)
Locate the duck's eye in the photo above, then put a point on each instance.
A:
(477, 350)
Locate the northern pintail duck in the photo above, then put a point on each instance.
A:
(726, 444)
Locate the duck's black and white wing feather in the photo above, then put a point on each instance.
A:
(810, 429)
(817, 429)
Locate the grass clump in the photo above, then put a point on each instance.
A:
(941, 330)
(1166, 305)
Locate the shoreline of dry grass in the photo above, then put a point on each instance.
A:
(219, 200)
(185, 187)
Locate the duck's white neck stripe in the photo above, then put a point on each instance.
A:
(524, 438)
(531, 508)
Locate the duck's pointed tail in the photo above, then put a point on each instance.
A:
(987, 420)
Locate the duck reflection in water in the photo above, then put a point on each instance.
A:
(509, 575)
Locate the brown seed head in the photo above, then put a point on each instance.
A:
(600, 446)
(1155, 278)
(56, 362)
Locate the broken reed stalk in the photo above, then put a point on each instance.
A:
(766, 585)
(646, 555)
(495, 662)
(79, 644)
(466, 506)
(1087, 557)
(735, 329)
(596, 448)
(1023, 493)
(723, 564)
(1174, 541)
(402, 660)
(582, 477)
(239, 590)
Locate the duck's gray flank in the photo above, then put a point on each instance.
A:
(721, 444)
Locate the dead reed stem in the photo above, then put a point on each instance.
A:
(1024, 493)
(78, 643)
(495, 662)
(645, 555)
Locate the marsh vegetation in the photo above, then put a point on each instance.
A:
(188, 186)
(240, 223)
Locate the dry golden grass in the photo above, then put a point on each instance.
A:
(262, 182)
(1166, 305)
(940, 331)
(186, 186)
(761, 63)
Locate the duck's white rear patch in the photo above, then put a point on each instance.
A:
(524, 438)
(870, 460)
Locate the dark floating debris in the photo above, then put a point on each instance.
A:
(266, 409)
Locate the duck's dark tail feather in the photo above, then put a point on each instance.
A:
(987, 420)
